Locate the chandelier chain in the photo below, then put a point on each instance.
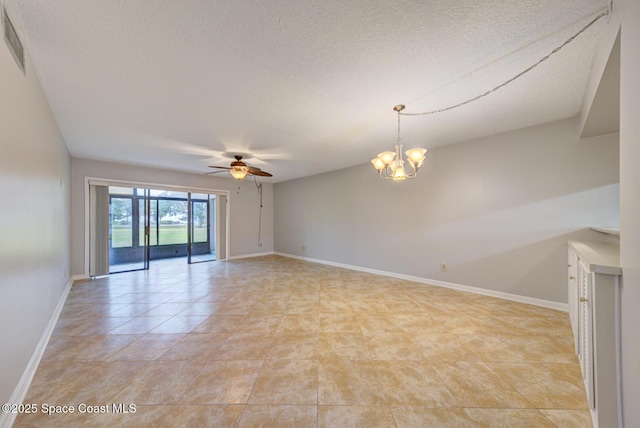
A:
(517, 76)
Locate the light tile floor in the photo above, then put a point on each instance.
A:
(273, 341)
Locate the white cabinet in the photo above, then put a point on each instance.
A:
(585, 330)
(573, 297)
(593, 284)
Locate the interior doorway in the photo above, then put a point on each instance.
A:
(148, 224)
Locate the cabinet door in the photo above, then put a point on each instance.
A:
(572, 268)
(585, 327)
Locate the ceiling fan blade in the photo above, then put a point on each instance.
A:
(215, 172)
(221, 167)
(260, 173)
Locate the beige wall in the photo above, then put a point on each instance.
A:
(244, 204)
(34, 218)
(630, 209)
(497, 210)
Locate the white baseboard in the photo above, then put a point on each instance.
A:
(246, 256)
(460, 287)
(7, 419)
(79, 277)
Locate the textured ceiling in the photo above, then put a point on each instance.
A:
(305, 86)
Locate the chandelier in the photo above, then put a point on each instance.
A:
(390, 165)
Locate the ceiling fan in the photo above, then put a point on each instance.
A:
(239, 170)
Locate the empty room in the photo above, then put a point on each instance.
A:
(320, 214)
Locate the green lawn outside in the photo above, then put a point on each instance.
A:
(169, 234)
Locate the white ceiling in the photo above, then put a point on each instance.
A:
(306, 86)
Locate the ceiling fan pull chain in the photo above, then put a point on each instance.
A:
(259, 187)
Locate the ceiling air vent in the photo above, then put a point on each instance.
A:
(12, 40)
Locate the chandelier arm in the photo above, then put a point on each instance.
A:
(415, 171)
(517, 76)
(388, 172)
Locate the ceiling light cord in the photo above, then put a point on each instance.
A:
(517, 76)
(259, 187)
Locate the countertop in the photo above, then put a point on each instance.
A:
(601, 257)
(607, 230)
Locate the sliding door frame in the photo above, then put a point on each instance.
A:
(154, 186)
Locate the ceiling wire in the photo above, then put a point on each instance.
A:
(517, 76)
(259, 187)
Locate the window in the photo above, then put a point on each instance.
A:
(172, 228)
(200, 215)
(121, 213)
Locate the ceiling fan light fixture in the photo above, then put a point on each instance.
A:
(239, 170)
(238, 174)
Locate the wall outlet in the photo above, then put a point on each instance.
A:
(443, 267)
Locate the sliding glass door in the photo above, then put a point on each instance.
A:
(201, 220)
(151, 224)
(131, 226)
(129, 229)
